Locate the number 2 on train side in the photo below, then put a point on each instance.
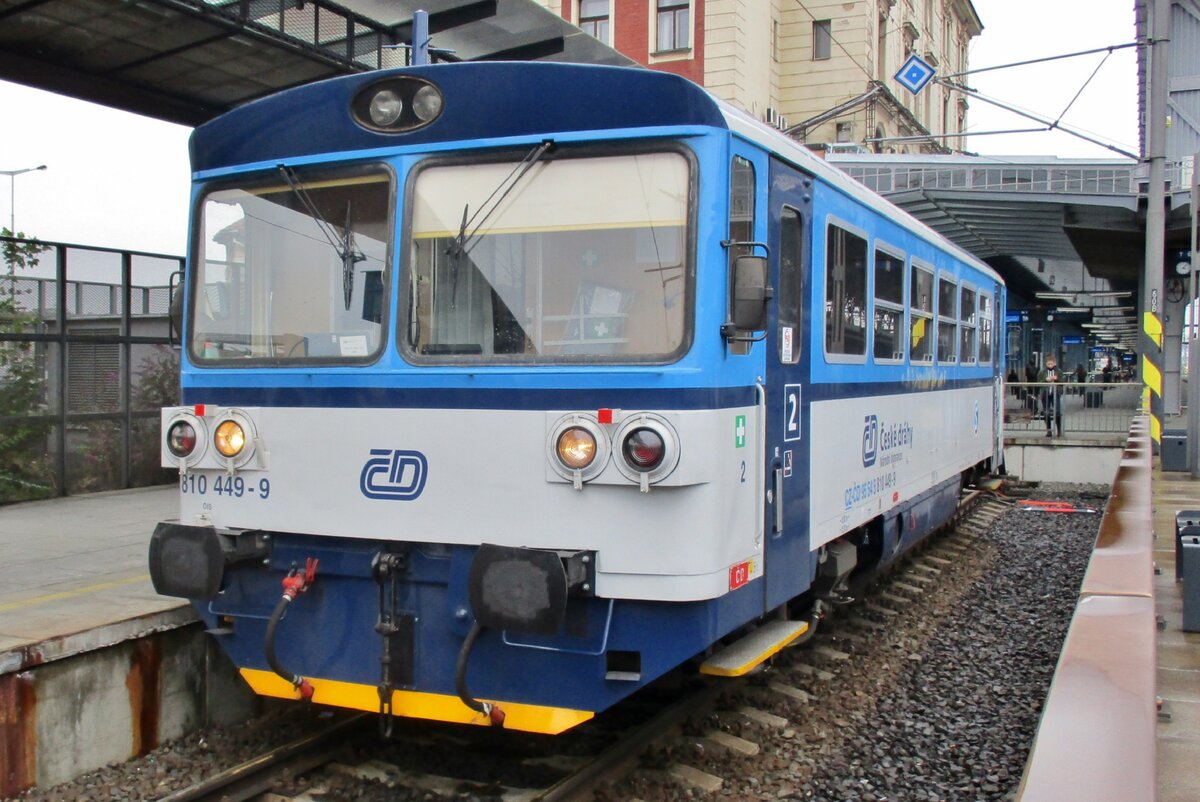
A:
(791, 412)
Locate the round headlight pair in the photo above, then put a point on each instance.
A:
(387, 107)
(648, 448)
(185, 437)
(229, 439)
(397, 104)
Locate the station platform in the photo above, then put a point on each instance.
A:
(74, 575)
(1178, 734)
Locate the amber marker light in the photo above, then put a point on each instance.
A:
(229, 438)
(576, 448)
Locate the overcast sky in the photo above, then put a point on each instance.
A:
(121, 181)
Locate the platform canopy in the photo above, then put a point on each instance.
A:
(187, 61)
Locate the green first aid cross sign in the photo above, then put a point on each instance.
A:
(739, 431)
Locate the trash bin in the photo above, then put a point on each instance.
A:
(1191, 583)
(1184, 520)
(1093, 399)
(1174, 450)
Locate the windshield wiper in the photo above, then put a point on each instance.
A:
(460, 245)
(343, 244)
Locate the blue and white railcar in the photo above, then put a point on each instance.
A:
(531, 382)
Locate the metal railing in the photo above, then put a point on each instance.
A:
(86, 363)
(1069, 408)
(1098, 179)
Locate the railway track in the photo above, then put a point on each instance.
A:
(689, 734)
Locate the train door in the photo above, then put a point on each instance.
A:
(787, 561)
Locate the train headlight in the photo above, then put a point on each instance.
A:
(184, 438)
(397, 104)
(427, 103)
(229, 438)
(385, 108)
(181, 438)
(643, 449)
(649, 448)
(578, 448)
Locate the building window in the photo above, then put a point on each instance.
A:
(881, 65)
(672, 24)
(593, 18)
(822, 39)
(845, 292)
(845, 132)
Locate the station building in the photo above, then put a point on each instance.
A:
(822, 70)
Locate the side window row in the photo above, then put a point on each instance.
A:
(961, 325)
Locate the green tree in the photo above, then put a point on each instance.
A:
(25, 470)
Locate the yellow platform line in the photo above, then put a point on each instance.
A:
(71, 594)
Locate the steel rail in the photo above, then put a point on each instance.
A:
(257, 775)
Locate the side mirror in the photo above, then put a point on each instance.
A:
(175, 308)
(751, 292)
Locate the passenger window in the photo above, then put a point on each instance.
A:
(920, 323)
(947, 321)
(790, 253)
(741, 202)
(845, 292)
(889, 307)
(967, 322)
(985, 329)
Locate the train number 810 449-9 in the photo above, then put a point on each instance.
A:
(232, 486)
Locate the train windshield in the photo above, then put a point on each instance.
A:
(562, 260)
(293, 268)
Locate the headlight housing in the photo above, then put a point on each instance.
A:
(181, 438)
(229, 438)
(649, 448)
(234, 438)
(397, 104)
(184, 438)
(577, 447)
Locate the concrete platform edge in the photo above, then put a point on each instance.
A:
(95, 639)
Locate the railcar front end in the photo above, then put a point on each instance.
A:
(458, 424)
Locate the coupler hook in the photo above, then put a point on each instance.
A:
(295, 583)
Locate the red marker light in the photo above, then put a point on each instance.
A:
(604, 416)
(199, 410)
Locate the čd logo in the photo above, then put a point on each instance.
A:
(870, 445)
(394, 474)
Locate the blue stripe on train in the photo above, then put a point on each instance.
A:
(611, 398)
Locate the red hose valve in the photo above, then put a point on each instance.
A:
(296, 582)
(494, 713)
(306, 690)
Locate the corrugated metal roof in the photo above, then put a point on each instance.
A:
(187, 61)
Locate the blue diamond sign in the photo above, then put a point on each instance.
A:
(915, 73)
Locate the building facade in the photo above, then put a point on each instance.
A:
(821, 69)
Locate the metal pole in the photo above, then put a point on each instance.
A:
(1194, 344)
(420, 38)
(1152, 277)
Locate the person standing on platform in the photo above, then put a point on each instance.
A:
(1051, 396)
